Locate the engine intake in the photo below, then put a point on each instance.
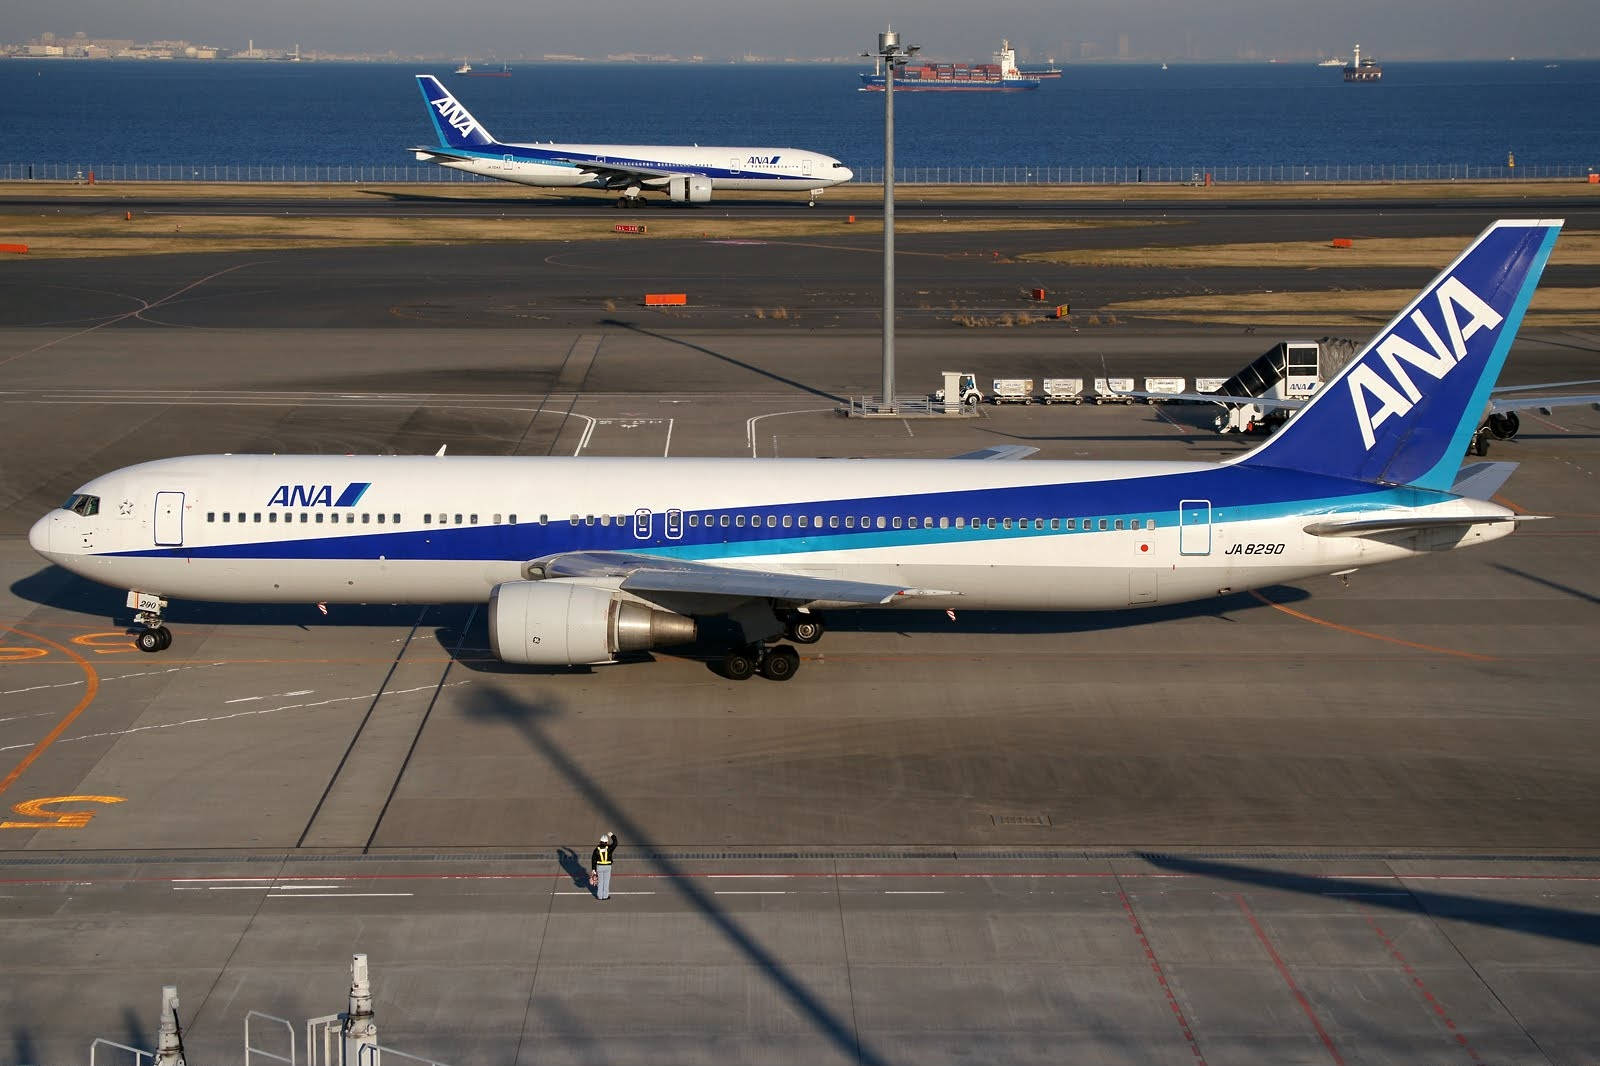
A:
(689, 188)
(557, 623)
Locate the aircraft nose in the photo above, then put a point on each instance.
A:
(39, 535)
(849, 175)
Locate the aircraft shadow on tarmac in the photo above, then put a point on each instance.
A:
(470, 647)
(462, 630)
(1555, 923)
(529, 719)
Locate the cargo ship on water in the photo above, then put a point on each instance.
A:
(465, 71)
(1000, 76)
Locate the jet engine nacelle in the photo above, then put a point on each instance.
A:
(1505, 426)
(556, 623)
(690, 188)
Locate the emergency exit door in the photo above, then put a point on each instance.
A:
(169, 519)
(1194, 527)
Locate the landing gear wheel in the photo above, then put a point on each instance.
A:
(153, 640)
(804, 629)
(738, 665)
(780, 663)
(1480, 442)
(811, 203)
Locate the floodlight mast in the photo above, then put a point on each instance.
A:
(893, 57)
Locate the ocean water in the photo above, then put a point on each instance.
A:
(100, 113)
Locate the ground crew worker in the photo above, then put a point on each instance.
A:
(600, 865)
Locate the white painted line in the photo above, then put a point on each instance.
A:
(246, 713)
(588, 430)
(341, 895)
(913, 892)
(591, 893)
(754, 877)
(238, 888)
(666, 451)
(245, 699)
(301, 888)
(749, 892)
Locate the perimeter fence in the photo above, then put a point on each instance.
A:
(1007, 175)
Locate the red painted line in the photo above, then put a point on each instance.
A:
(1427, 996)
(1161, 979)
(1288, 979)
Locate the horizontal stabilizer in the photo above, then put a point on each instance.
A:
(1000, 452)
(1480, 481)
(1367, 527)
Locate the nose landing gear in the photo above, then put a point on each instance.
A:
(153, 634)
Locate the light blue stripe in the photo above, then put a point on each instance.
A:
(1442, 475)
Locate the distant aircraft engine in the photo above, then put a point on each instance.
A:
(691, 188)
(555, 623)
(1505, 426)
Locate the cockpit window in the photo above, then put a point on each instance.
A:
(81, 504)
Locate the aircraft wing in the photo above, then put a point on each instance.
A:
(998, 452)
(1216, 397)
(649, 573)
(613, 168)
(1500, 403)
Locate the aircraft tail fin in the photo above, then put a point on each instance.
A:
(454, 124)
(1403, 411)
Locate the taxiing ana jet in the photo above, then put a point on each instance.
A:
(685, 173)
(588, 560)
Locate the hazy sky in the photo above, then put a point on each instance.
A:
(951, 29)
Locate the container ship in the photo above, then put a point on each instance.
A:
(1359, 69)
(465, 71)
(1001, 76)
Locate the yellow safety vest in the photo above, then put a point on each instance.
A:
(605, 856)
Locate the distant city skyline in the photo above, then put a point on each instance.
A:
(719, 30)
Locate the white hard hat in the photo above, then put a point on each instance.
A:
(605, 840)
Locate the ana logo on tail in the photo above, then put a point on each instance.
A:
(1397, 394)
(454, 116)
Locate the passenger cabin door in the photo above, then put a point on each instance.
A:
(1194, 527)
(169, 519)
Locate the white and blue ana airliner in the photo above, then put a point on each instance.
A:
(685, 173)
(584, 560)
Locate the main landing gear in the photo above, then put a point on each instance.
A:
(631, 197)
(778, 662)
(153, 634)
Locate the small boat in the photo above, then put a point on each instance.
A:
(464, 68)
(466, 71)
(1334, 62)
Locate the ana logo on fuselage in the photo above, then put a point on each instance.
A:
(1396, 394)
(455, 116)
(318, 495)
(763, 161)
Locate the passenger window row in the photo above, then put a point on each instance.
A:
(288, 518)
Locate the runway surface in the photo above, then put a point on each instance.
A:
(1323, 824)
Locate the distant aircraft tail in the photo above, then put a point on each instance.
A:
(452, 122)
(1404, 410)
